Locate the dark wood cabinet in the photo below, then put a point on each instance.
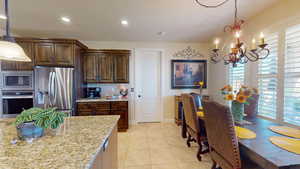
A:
(109, 66)
(90, 68)
(121, 108)
(44, 54)
(47, 52)
(105, 68)
(106, 108)
(64, 54)
(121, 68)
(19, 66)
(54, 54)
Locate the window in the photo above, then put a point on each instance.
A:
(292, 76)
(236, 76)
(267, 80)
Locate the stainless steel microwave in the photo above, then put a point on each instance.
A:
(16, 80)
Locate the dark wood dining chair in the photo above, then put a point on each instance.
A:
(223, 143)
(195, 126)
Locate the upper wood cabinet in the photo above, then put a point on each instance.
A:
(121, 68)
(64, 54)
(46, 52)
(90, 68)
(19, 66)
(54, 54)
(106, 66)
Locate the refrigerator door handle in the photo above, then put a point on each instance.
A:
(54, 87)
(49, 90)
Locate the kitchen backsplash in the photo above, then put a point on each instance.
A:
(109, 89)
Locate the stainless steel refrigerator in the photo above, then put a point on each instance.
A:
(54, 88)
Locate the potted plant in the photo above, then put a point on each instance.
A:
(238, 99)
(32, 122)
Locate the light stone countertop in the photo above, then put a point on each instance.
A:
(82, 100)
(74, 146)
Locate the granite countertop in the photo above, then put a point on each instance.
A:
(74, 146)
(82, 100)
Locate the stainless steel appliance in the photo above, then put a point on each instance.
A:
(14, 102)
(16, 80)
(54, 88)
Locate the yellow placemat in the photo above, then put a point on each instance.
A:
(286, 131)
(200, 114)
(244, 133)
(289, 144)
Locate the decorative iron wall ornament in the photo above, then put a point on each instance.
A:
(189, 52)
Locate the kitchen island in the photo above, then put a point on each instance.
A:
(80, 143)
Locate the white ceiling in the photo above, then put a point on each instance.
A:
(99, 20)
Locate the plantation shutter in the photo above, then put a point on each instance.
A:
(236, 76)
(292, 76)
(267, 79)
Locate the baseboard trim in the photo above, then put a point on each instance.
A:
(169, 121)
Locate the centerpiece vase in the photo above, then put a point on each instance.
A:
(237, 110)
(28, 130)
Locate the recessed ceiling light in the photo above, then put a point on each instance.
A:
(124, 22)
(3, 17)
(66, 19)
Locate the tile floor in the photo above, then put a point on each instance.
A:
(157, 146)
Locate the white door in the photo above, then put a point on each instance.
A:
(148, 85)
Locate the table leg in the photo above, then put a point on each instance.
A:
(183, 128)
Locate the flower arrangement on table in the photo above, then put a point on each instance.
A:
(238, 99)
(201, 84)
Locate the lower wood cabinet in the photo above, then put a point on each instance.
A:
(106, 108)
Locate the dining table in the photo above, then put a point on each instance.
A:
(260, 150)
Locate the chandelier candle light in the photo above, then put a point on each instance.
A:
(239, 52)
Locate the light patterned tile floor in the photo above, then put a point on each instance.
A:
(157, 146)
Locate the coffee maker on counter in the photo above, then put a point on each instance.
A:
(94, 92)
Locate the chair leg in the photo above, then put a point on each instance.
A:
(214, 166)
(199, 151)
(189, 139)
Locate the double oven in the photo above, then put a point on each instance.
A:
(16, 92)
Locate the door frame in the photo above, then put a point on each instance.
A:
(162, 52)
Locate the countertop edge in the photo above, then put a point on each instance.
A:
(94, 157)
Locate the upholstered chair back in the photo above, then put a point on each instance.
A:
(190, 112)
(224, 148)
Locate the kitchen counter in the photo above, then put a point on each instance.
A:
(82, 100)
(75, 146)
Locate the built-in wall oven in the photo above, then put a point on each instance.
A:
(16, 92)
(14, 102)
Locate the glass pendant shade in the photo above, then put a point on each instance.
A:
(11, 51)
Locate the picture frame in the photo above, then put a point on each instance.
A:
(186, 74)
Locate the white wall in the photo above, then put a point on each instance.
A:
(169, 50)
(274, 19)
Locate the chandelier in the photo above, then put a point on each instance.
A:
(238, 51)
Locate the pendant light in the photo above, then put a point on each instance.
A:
(9, 49)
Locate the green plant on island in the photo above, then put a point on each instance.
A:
(44, 118)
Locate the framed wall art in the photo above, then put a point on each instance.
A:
(186, 74)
